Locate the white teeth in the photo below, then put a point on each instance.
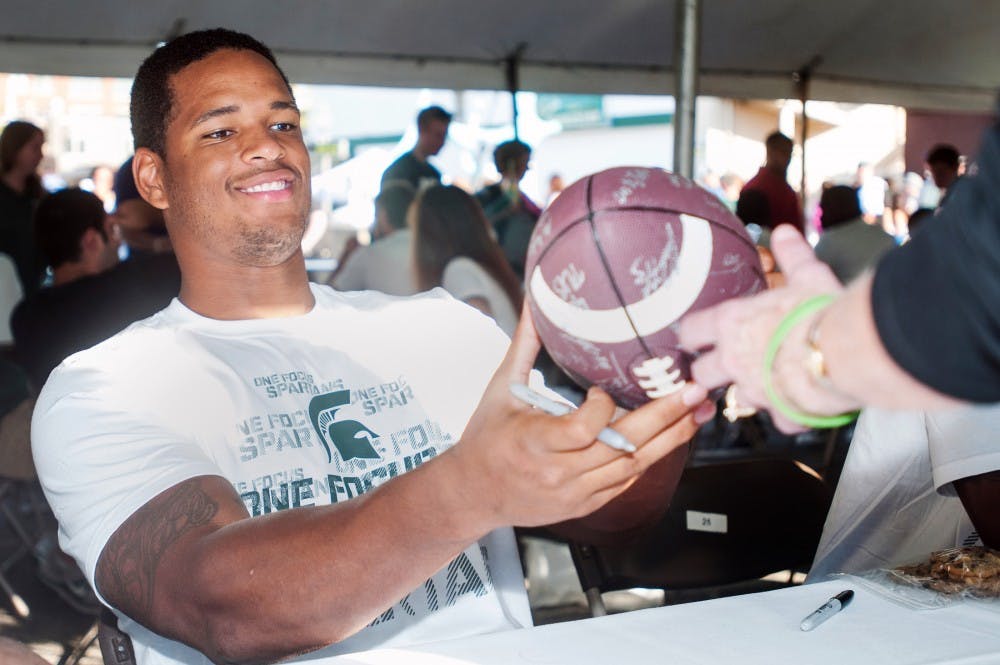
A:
(267, 187)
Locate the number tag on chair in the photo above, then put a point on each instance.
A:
(711, 522)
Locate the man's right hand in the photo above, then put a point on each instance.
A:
(524, 467)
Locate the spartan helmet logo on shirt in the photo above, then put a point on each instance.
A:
(350, 438)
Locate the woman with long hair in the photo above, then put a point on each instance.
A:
(20, 189)
(453, 248)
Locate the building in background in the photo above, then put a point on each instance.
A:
(85, 119)
(353, 132)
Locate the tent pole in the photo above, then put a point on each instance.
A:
(801, 79)
(512, 66)
(803, 98)
(687, 44)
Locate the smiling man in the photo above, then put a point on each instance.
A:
(261, 470)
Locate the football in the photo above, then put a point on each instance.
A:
(613, 264)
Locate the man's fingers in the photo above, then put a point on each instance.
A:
(524, 347)
(671, 416)
(623, 470)
(594, 414)
(653, 417)
(791, 250)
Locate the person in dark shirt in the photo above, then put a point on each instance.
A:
(945, 165)
(142, 227)
(92, 295)
(512, 214)
(412, 166)
(20, 189)
(771, 179)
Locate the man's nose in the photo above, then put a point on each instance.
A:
(262, 145)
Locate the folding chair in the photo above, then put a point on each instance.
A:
(728, 523)
(116, 646)
(22, 505)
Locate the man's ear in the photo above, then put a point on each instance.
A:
(91, 242)
(148, 171)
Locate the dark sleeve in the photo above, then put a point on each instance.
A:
(396, 171)
(936, 300)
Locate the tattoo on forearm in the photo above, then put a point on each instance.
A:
(127, 573)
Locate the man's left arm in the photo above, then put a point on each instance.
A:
(965, 461)
(981, 495)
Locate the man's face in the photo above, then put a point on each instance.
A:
(235, 174)
(433, 136)
(943, 174)
(779, 155)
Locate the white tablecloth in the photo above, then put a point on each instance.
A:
(758, 628)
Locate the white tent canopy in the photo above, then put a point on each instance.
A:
(929, 54)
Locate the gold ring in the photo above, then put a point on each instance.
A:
(733, 411)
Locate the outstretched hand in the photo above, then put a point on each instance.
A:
(733, 336)
(529, 468)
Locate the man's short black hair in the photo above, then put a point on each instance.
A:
(509, 150)
(61, 220)
(778, 140)
(395, 198)
(431, 114)
(839, 204)
(152, 96)
(945, 154)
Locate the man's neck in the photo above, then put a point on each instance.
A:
(238, 293)
(778, 171)
(419, 153)
(70, 272)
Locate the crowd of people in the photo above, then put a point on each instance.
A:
(204, 380)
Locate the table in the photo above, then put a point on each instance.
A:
(755, 628)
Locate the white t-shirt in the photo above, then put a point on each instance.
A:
(298, 411)
(895, 502)
(465, 279)
(386, 265)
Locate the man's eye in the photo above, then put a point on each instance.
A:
(284, 126)
(219, 134)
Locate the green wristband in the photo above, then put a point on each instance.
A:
(792, 319)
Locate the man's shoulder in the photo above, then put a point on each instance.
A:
(59, 303)
(859, 231)
(755, 180)
(395, 244)
(330, 300)
(401, 168)
(435, 307)
(489, 192)
(768, 181)
(95, 307)
(127, 360)
(405, 158)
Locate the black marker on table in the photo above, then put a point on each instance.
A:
(831, 607)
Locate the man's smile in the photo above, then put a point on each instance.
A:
(268, 187)
(271, 186)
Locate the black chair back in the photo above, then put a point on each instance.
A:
(116, 646)
(729, 522)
